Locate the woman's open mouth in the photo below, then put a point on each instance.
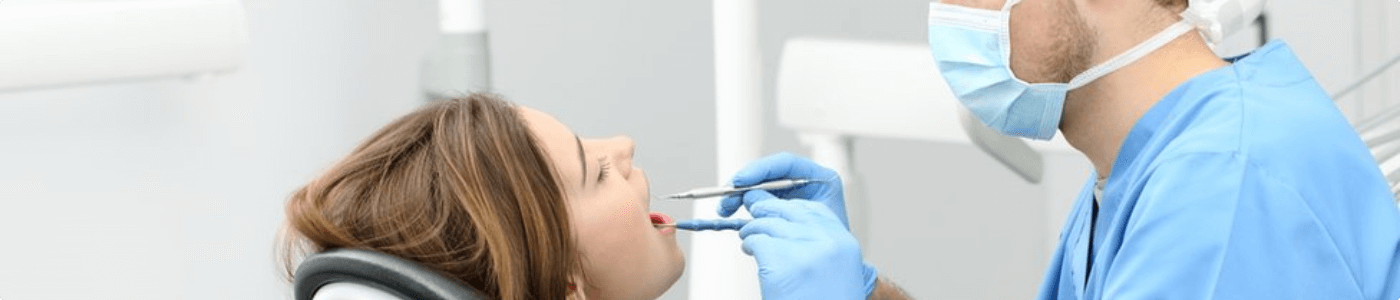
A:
(662, 219)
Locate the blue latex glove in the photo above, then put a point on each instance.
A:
(804, 252)
(788, 166)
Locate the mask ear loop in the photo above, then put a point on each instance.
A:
(1127, 57)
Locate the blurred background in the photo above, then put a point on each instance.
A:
(173, 188)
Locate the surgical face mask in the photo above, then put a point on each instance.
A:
(972, 48)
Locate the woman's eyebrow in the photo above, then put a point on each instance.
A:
(583, 172)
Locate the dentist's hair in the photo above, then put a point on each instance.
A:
(461, 186)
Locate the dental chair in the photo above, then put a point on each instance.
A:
(356, 274)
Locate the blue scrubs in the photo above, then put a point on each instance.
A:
(1243, 183)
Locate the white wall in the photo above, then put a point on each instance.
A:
(172, 189)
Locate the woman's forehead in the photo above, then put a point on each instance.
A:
(559, 142)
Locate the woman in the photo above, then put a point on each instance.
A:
(504, 199)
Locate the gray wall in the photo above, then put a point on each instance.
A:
(638, 68)
(658, 88)
(172, 189)
(643, 68)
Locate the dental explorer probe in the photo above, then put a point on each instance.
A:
(726, 224)
(728, 190)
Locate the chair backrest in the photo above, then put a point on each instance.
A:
(356, 274)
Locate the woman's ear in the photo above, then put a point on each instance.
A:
(577, 288)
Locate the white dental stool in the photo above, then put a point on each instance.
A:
(354, 274)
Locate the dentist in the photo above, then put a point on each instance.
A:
(1213, 178)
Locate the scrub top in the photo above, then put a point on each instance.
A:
(1244, 182)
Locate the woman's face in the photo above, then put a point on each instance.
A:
(624, 256)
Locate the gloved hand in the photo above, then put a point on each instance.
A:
(789, 166)
(804, 252)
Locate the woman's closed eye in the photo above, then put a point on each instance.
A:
(603, 166)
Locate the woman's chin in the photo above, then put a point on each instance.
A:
(679, 260)
(678, 268)
(674, 268)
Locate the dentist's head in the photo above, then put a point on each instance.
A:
(1014, 63)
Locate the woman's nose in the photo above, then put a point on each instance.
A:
(623, 149)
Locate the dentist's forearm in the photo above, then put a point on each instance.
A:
(886, 290)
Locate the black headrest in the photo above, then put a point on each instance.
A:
(391, 274)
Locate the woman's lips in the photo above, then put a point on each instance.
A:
(660, 218)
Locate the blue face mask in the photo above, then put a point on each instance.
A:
(973, 50)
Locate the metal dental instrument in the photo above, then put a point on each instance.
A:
(727, 224)
(708, 192)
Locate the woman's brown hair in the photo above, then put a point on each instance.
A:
(460, 186)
